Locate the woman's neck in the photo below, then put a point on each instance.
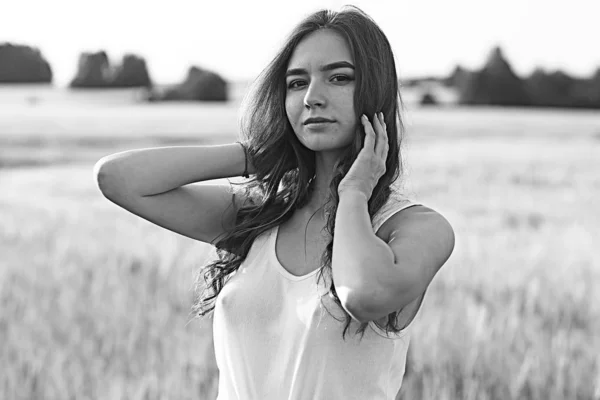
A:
(324, 165)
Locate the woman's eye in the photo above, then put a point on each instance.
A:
(292, 84)
(342, 77)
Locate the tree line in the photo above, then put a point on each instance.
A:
(495, 84)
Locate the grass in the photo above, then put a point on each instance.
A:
(94, 301)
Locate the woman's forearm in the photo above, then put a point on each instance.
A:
(362, 263)
(157, 170)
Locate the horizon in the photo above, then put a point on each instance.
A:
(532, 34)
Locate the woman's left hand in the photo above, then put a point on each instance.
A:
(369, 165)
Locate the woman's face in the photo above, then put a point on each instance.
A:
(320, 83)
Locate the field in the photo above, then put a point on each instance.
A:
(94, 301)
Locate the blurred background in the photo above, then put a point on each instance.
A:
(503, 138)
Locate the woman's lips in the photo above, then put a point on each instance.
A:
(318, 125)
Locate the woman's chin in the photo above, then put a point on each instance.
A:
(324, 145)
(325, 141)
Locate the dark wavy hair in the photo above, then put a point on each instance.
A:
(285, 168)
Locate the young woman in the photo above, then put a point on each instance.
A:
(320, 242)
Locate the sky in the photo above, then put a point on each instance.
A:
(238, 38)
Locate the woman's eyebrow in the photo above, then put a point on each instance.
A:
(326, 67)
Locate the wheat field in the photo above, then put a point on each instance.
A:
(94, 301)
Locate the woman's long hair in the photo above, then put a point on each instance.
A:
(285, 167)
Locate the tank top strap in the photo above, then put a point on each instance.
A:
(258, 246)
(396, 203)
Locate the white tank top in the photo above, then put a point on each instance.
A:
(274, 340)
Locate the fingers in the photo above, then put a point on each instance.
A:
(381, 147)
(376, 135)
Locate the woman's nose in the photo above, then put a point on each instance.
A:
(314, 96)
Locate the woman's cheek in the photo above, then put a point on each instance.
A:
(293, 108)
